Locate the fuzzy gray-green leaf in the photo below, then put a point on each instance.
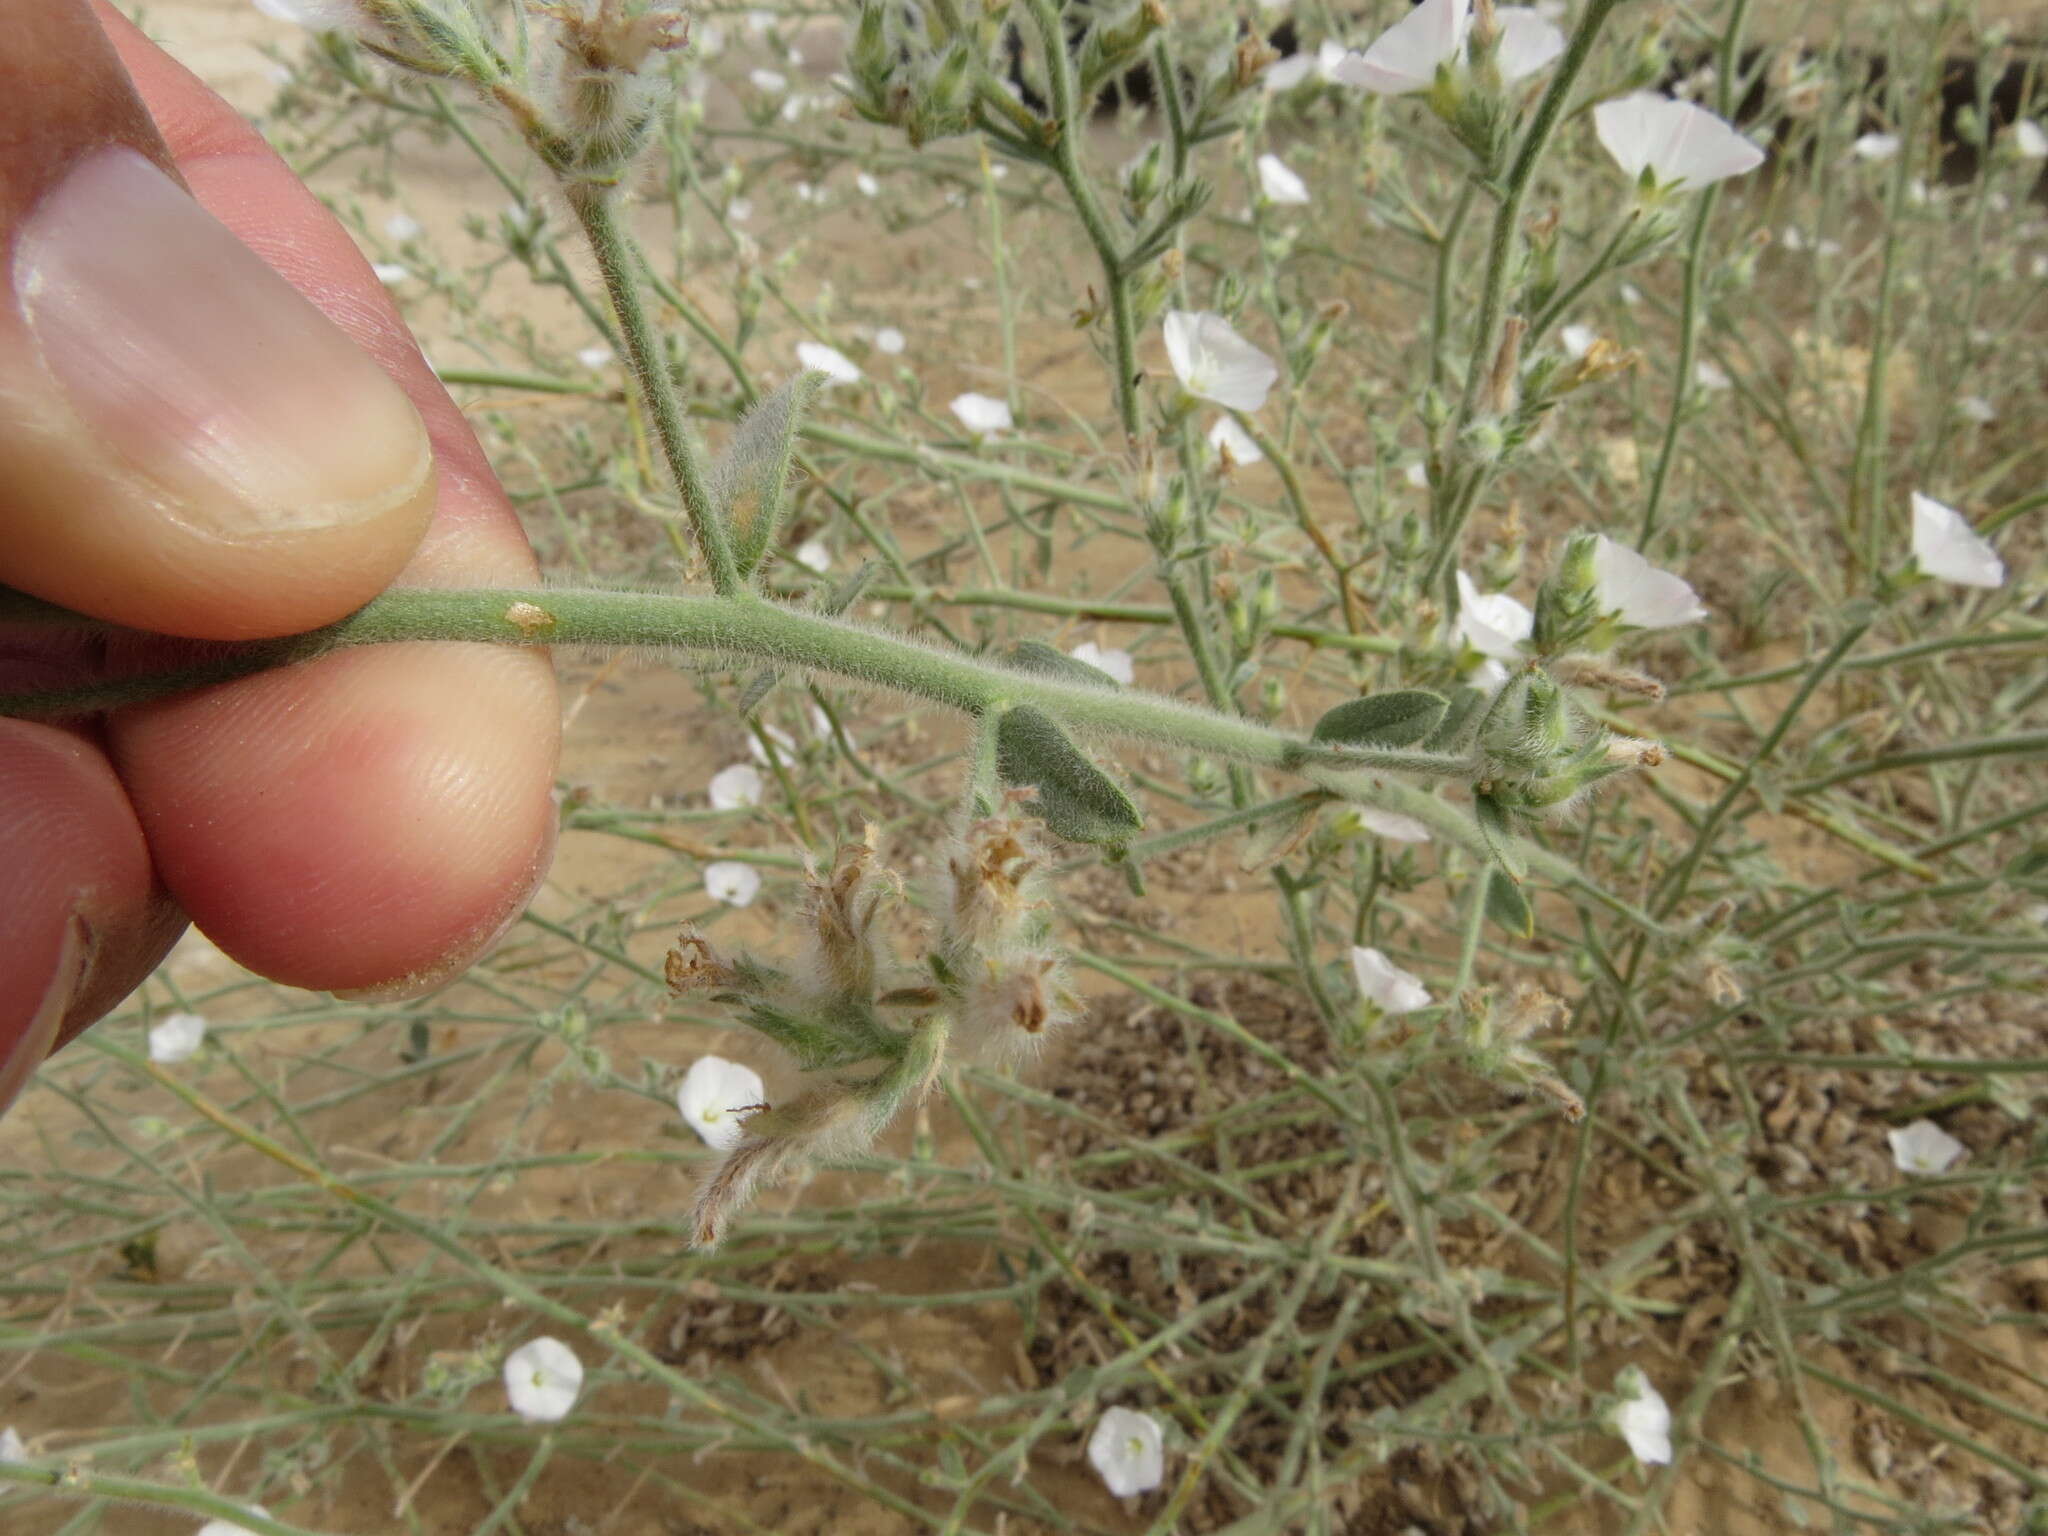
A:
(1077, 800)
(749, 481)
(1383, 719)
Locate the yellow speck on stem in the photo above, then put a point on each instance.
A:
(529, 617)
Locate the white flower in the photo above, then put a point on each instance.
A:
(1492, 623)
(712, 1094)
(1875, 146)
(735, 788)
(890, 340)
(1707, 376)
(390, 273)
(1278, 182)
(1301, 64)
(1129, 1450)
(542, 1380)
(768, 81)
(785, 744)
(1976, 408)
(313, 15)
(1215, 363)
(1644, 1419)
(1408, 54)
(1578, 339)
(983, 415)
(732, 882)
(1924, 1147)
(2029, 140)
(1226, 436)
(1116, 663)
(595, 358)
(1416, 473)
(739, 210)
(812, 555)
(228, 1527)
(1391, 825)
(1645, 596)
(830, 361)
(176, 1038)
(402, 227)
(1676, 142)
(866, 184)
(1947, 546)
(12, 1452)
(1385, 985)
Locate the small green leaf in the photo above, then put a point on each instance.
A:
(1050, 661)
(1465, 709)
(1382, 720)
(1496, 825)
(1508, 907)
(749, 481)
(1077, 800)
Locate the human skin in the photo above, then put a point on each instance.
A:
(213, 426)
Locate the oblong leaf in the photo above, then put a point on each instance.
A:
(1462, 714)
(749, 480)
(1508, 907)
(1383, 719)
(1051, 661)
(1077, 800)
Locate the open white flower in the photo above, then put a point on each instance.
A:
(176, 1037)
(1678, 143)
(1216, 364)
(1643, 1419)
(983, 415)
(391, 273)
(1976, 408)
(313, 15)
(830, 361)
(1709, 376)
(890, 340)
(12, 1452)
(402, 227)
(785, 744)
(1301, 64)
(228, 1527)
(732, 882)
(1278, 182)
(1391, 825)
(813, 556)
(596, 357)
(542, 1380)
(736, 788)
(1492, 623)
(1875, 146)
(1577, 340)
(1226, 436)
(864, 182)
(1408, 54)
(1947, 546)
(712, 1095)
(1128, 1449)
(771, 82)
(2029, 140)
(1924, 1147)
(1116, 663)
(1385, 985)
(1645, 596)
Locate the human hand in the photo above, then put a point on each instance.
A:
(214, 426)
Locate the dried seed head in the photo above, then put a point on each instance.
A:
(1593, 672)
(844, 907)
(692, 963)
(992, 875)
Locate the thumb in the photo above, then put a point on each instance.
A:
(187, 444)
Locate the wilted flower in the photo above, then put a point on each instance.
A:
(1644, 1419)
(1492, 623)
(812, 555)
(714, 1094)
(1226, 436)
(1678, 143)
(1391, 825)
(176, 1037)
(542, 1380)
(1407, 56)
(1116, 663)
(1216, 364)
(983, 415)
(1278, 183)
(736, 788)
(1385, 985)
(1946, 546)
(1924, 1147)
(732, 882)
(1875, 146)
(830, 361)
(1128, 1449)
(1645, 596)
